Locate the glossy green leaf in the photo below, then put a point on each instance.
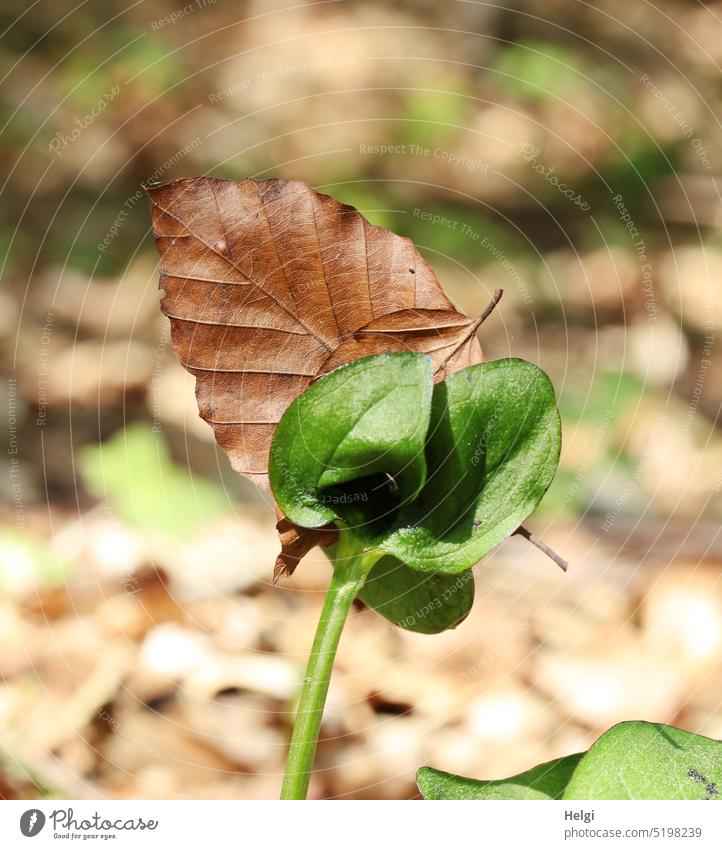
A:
(644, 760)
(633, 760)
(433, 477)
(424, 602)
(364, 422)
(493, 447)
(545, 781)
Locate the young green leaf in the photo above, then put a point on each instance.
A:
(545, 781)
(365, 421)
(633, 760)
(424, 602)
(645, 760)
(492, 450)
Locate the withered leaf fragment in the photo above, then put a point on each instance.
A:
(296, 542)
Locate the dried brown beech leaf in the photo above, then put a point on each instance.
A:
(269, 284)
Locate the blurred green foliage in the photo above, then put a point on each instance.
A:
(135, 475)
(538, 71)
(26, 562)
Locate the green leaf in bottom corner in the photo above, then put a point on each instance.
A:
(644, 760)
(425, 602)
(633, 760)
(545, 781)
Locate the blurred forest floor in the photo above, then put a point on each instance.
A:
(566, 153)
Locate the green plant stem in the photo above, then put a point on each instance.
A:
(348, 578)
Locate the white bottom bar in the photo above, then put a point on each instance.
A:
(362, 825)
